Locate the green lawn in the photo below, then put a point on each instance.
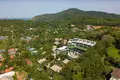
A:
(113, 53)
(2, 45)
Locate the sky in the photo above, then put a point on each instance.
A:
(31, 8)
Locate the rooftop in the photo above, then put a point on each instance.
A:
(28, 62)
(62, 48)
(66, 61)
(82, 41)
(56, 68)
(41, 60)
(116, 73)
(11, 73)
(6, 78)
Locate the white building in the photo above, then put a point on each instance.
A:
(84, 42)
(66, 61)
(60, 50)
(56, 68)
(11, 73)
(42, 60)
(6, 78)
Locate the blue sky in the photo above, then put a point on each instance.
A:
(31, 8)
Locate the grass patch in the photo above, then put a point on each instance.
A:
(113, 53)
(2, 45)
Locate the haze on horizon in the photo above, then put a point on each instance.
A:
(31, 8)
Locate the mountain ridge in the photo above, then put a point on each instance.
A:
(76, 14)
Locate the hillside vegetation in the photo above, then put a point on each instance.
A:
(79, 16)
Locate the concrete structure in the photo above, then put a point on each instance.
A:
(76, 42)
(73, 54)
(3, 37)
(1, 51)
(57, 41)
(11, 73)
(56, 68)
(6, 78)
(32, 50)
(66, 61)
(12, 51)
(60, 50)
(77, 46)
(41, 61)
(115, 75)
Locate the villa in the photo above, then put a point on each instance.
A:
(7, 78)
(12, 51)
(60, 50)
(11, 73)
(66, 61)
(28, 61)
(41, 61)
(56, 68)
(115, 74)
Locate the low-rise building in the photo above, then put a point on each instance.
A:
(2, 51)
(81, 44)
(66, 61)
(11, 73)
(12, 51)
(115, 75)
(60, 50)
(56, 68)
(3, 37)
(42, 60)
(6, 78)
(32, 50)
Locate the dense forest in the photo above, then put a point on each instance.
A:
(82, 17)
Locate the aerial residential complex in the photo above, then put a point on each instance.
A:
(75, 46)
(81, 44)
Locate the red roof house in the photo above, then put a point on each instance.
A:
(12, 51)
(28, 62)
(115, 74)
(7, 70)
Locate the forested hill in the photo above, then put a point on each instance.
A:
(76, 15)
